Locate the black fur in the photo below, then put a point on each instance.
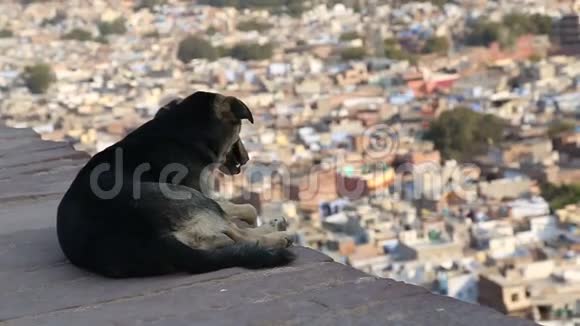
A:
(129, 236)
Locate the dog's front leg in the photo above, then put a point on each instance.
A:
(281, 239)
(244, 212)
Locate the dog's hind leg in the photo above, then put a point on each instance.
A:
(244, 212)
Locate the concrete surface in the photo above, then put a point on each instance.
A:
(39, 287)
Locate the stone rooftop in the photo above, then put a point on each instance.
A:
(39, 287)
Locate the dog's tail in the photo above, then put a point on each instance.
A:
(238, 255)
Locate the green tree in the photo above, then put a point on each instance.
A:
(353, 53)
(27, 2)
(252, 51)
(349, 36)
(6, 33)
(101, 39)
(462, 133)
(560, 196)
(152, 34)
(560, 126)
(116, 26)
(38, 77)
(394, 51)
(223, 51)
(78, 34)
(296, 8)
(291, 7)
(211, 31)
(149, 4)
(543, 24)
(484, 33)
(193, 47)
(253, 25)
(521, 24)
(438, 3)
(439, 45)
(221, 3)
(511, 27)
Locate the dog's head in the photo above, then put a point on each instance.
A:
(216, 120)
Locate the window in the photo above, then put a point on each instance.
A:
(515, 297)
(545, 312)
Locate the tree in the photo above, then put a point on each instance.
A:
(152, 34)
(116, 26)
(543, 24)
(27, 2)
(560, 196)
(394, 51)
(521, 24)
(149, 4)
(349, 36)
(38, 77)
(252, 51)
(253, 25)
(511, 27)
(353, 53)
(438, 3)
(6, 33)
(560, 126)
(193, 47)
(223, 51)
(101, 39)
(291, 7)
(78, 34)
(462, 133)
(295, 8)
(484, 33)
(439, 45)
(211, 31)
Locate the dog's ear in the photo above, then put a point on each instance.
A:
(161, 112)
(240, 109)
(234, 108)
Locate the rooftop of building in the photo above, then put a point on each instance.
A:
(39, 286)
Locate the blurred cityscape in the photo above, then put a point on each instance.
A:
(434, 142)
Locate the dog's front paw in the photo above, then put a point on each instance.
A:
(279, 239)
(289, 238)
(279, 224)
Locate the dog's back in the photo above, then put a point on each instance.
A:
(102, 234)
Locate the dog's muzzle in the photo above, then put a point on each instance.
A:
(235, 159)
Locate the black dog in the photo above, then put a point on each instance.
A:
(136, 208)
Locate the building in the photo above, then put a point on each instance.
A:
(566, 35)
